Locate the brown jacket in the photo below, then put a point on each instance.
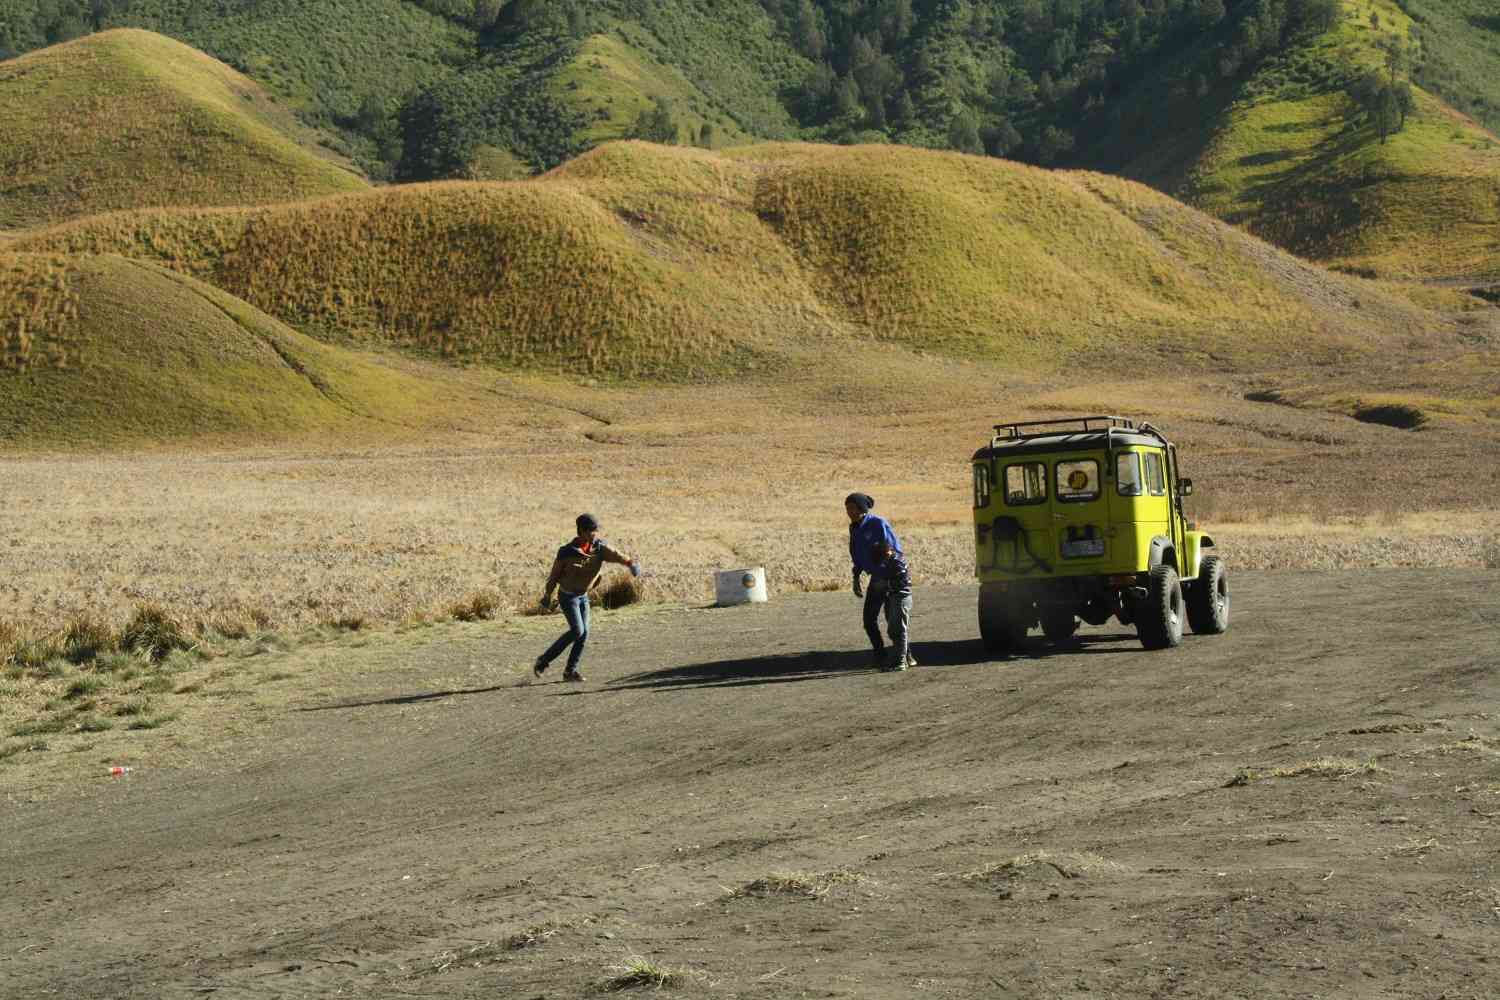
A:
(575, 572)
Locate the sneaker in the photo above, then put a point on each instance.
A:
(539, 667)
(573, 675)
(893, 668)
(878, 660)
(911, 661)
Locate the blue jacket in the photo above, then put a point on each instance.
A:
(864, 535)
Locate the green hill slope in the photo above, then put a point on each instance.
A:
(127, 119)
(660, 262)
(105, 351)
(1236, 105)
(1295, 162)
(1460, 42)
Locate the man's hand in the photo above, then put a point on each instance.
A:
(858, 590)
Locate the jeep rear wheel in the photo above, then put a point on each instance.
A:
(1059, 626)
(1159, 616)
(1000, 624)
(1208, 599)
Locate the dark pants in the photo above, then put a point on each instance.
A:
(575, 608)
(895, 600)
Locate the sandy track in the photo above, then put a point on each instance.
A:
(389, 842)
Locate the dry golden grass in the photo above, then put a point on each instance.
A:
(692, 480)
(102, 351)
(127, 119)
(681, 264)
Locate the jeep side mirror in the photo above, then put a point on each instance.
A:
(1185, 487)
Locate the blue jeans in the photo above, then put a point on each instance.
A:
(575, 608)
(894, 598)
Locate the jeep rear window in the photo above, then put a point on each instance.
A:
(1128, 474)
(1025, 484)
(1078, 481)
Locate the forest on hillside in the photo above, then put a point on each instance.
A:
(414, 87)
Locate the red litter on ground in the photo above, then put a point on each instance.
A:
(116, 772)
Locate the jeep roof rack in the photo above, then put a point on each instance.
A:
(1013, 431)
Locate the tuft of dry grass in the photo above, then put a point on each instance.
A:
(1069, 865)
(153, 632)
(1473, 743)
(10, 636)
(85, 638)
(807, 884)
(477, 607)
(537, 934)
(638, 972)
(621, 591)
(1324, 767)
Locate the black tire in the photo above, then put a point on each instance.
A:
(1059, 626)
(1208, 599)
(998, 627)
(1159, 616)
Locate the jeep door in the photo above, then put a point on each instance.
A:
(1142, 504)
(1079, 512)
(1024, 493)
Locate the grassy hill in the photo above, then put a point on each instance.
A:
(128, 119)
(1294, 162)
(650, 261)
(1460, 53)
(103, 351)
(1292, 158)
(1238, 106)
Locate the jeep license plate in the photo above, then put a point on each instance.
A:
(1083, 547)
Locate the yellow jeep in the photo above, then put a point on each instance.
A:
(1082, 518)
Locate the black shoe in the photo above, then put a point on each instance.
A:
(573, 676)
(539, 667)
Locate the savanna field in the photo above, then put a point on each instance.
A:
(319, 323)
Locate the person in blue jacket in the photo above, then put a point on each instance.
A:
(875, 549)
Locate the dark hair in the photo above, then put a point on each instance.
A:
(587, 522)
(863, 501)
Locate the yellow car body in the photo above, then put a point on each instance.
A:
(1073, 517)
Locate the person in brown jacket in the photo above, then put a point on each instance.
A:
(574, 571)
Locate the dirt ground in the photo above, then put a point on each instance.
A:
(1082, 821)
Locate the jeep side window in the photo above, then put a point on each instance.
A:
(1078, 481)
(1155, 476)
(1128, 474)
(1025, 484)
(981, 486)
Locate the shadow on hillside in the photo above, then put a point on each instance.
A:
(787, 668)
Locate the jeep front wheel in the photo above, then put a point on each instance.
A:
(1159, 617)
(1208, 599)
